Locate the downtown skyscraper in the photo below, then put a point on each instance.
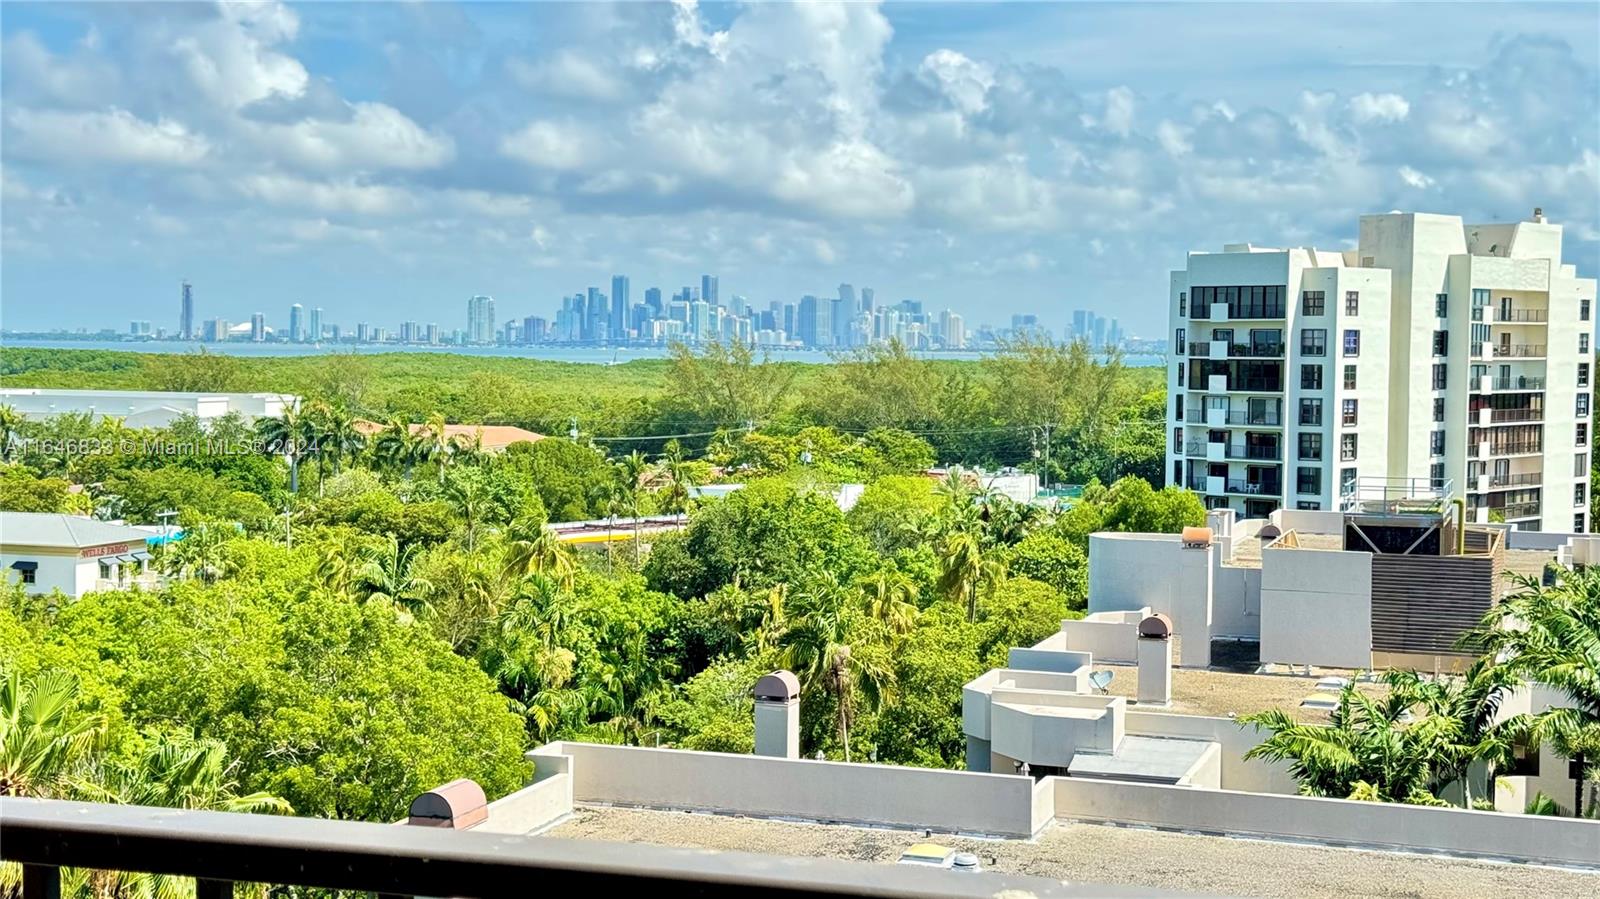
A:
(186, 314)
(480, 319)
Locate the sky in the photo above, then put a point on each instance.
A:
(386, 161)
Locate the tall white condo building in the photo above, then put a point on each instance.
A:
(1435, 357)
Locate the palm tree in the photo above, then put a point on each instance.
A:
(434, 443)
(526, 655)
(341, 438)
(888, 598)
(631, 470)
(1473, 702)
(1551, 635)
(174, 772)
(397, 446)
(43, 734)
(817, 648)
(201, 552)
(386, 575)
(964, 572)
(341, 563)
(472, 500)
(680, 478)
(287, 434)
(533, 549)
(1368, 750)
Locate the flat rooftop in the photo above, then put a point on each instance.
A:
(1154, 759)
(1198, 691)
(1247, 550)
(1104, 854)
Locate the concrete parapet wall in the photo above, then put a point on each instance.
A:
(1533, 838)
(880, 795)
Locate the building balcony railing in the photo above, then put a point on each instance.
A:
(1506, 416)
(1515, 511)
(1254, 488)
(1521, 448)
(220, 849)
(1522, 479)
(1519, 350)
(1236, 451)
(1529, 316)
(1267, 419)
(1521, 382)
(1203, 350)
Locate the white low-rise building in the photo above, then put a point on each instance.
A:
(47, 551)
(144, 408)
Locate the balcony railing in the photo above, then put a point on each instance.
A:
(1521, 315)
(1268, 419)
(1523, 479)
(219, 849)
(1516, 449)
(1254, 488)
(1502, 416)
(1518, 383)
(1202, 348)
(1516, 350)
(1520, 510)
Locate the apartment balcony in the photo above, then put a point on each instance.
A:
(1519, 511)
(1502, 450)
(1215, 451)
(1487, 416)
(1220, 418)
(1220, 349)
(219, 849)
(1522, 316)
(1508, 481)
(1490, 384)
(1519, 350)
(1244, 487)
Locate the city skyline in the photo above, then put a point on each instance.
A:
(379, 159)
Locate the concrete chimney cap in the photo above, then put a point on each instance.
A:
(1196, 536)
(779, 686)
(1157, 626)
(458, 804)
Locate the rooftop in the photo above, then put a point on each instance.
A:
(1197, 691)
(1247, 550)
(1108, 855)
(1157, 759)
(494, 437)
(51, 529)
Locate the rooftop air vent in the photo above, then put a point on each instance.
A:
(779, 686)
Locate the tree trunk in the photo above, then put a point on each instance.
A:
(294, 473)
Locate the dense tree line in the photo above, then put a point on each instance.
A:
(354, 616)
(1062, 410)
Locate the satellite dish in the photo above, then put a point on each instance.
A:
(1100, 679)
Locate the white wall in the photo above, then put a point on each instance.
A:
(1132, 571)
(1233, 741)
(1370, 824)
(1022, 728)
(1106, 636)
(64, 572)
(1236, 601)
(1316, 607)
(883, 795)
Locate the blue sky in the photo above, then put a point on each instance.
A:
(386, 161)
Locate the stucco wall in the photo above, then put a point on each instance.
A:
(62, 572)
(1233, 742)
(1381, 825)
(1106, 636)
(1236, 602)
(1130, 571)
(917, 798)
(1316, 607)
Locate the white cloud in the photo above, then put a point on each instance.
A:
(114, 135)
(964, 82)
(569, 73)
(375, 136)
(1174, 138)
(231, 59)
(567, 146)
(1366, 108)
(348, 196)
(1118, 117)
(1415, 178)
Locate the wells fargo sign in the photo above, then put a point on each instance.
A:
(114, 549)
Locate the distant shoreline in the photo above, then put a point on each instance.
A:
(592, 355)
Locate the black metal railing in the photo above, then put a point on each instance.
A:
(1520, 510)
(1518, 383)
(1270, 419)
(219, 849)
(1521, 315)
(1516, 448)
(1507, 351)
(1254, 488)
(1516, 480)
(1505, 416)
